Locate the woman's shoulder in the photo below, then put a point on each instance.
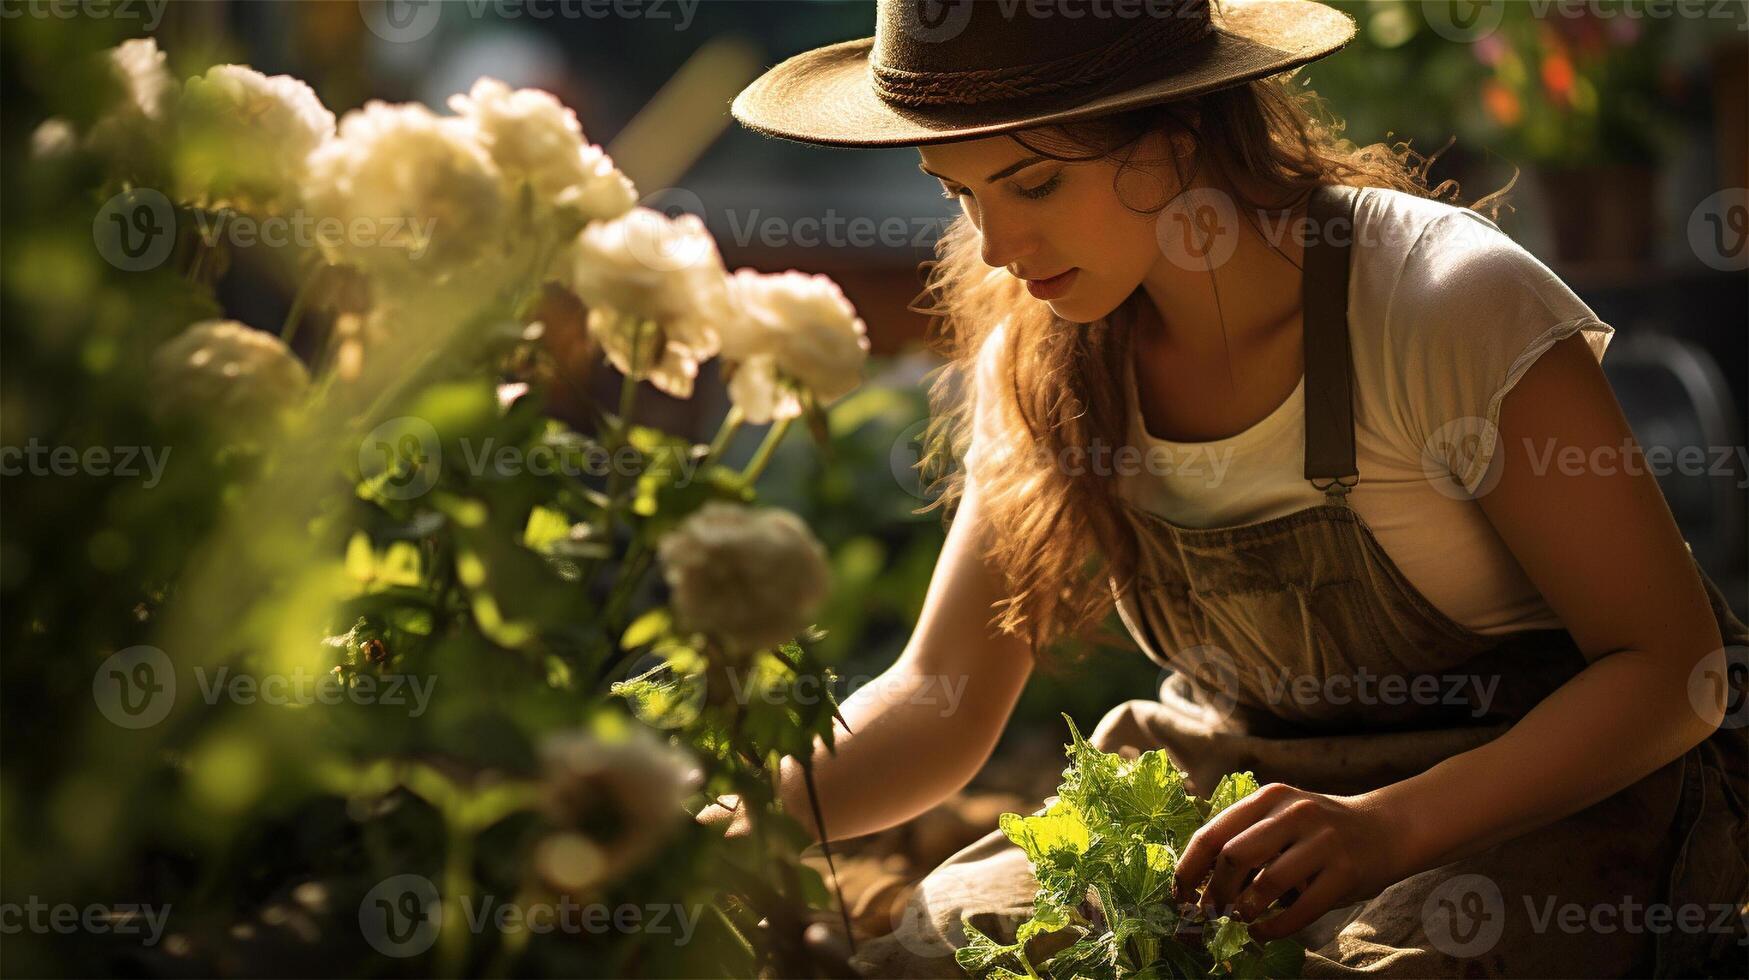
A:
(1392, 224)
(1422, 261)
(1448, 311)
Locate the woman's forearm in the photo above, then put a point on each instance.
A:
(1624, 716)
(914, 739)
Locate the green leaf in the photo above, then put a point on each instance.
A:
(1283, 958)
(1046, 920)
(361, 560)
(647, 628)
(981, 955)
(545, 528)
(1228, 937)
(1232, 788)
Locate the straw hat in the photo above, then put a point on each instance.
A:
(942, 70)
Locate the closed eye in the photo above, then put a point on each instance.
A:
(1044, 188)
(1033, 193)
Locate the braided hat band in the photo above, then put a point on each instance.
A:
(1156, 39)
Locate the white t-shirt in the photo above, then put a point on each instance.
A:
(1445, 314)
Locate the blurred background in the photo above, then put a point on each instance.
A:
(1628, 135)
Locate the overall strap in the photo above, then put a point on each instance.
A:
(1329, 384)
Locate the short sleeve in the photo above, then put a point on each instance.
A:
(1470, 313)
(988, 373)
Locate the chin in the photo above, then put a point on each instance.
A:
(1079, 309)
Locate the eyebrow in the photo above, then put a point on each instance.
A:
(1012, 168)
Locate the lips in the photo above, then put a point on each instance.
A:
(1053, 286)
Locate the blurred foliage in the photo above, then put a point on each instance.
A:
(1557, 84)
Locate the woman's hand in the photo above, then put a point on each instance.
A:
(1333, 850)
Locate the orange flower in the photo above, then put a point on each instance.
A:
(1557, 72)
(1501, 103)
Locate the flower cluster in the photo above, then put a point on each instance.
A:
(507, 193)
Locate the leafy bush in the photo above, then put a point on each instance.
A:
(1115, 830)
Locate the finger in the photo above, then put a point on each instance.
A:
(1319, 897)
(1200, 850)
(1244, 856)
(1288, 871)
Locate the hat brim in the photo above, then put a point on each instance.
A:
(825, 96)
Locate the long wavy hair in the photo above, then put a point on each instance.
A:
(1060, 534)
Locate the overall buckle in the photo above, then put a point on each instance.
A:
(1336, 488)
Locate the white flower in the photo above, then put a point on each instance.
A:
(628, 779)
(417, 197)
(54, 139)
(226, 374)
(245, 138)
(533, 138)
(646, 268)
(790, 328)
(750, 577)
(131, 131)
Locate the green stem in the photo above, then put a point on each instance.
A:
(632, 569)
(616, 436)
(631, 575)
(452, 936)
(725, 432)
(200, 250)
(773, 436)
(295, 315)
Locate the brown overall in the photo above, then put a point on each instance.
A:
(1238, 612)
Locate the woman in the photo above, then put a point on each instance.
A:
(1298, 419)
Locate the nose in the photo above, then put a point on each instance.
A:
(1005, 239)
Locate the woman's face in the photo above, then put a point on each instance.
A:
(1040, 217)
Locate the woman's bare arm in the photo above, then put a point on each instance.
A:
(923, 728)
